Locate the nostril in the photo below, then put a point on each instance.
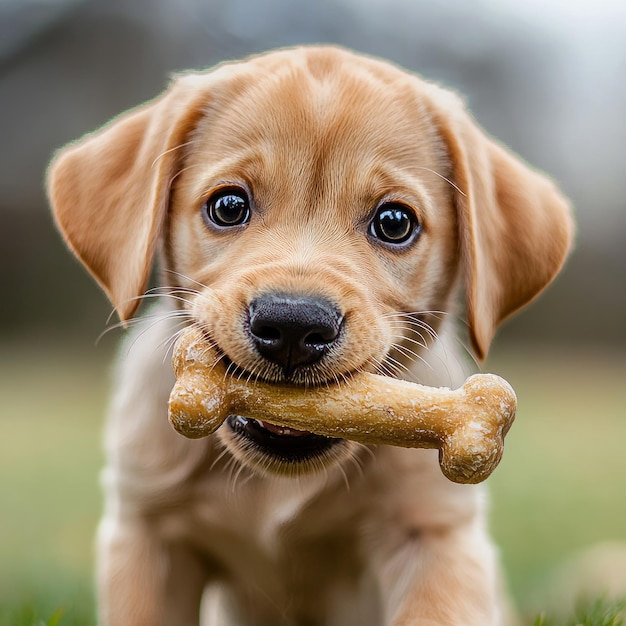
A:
(265, 332)
(314, 339)
(322, 338)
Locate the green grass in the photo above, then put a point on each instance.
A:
(50, 428)
(559, 488)
(598, 613)
(27, 615)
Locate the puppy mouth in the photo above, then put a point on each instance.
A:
(276, 449)
(279, 444)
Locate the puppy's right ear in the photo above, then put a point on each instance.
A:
(109, 191)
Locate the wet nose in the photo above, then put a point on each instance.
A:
(293, 331)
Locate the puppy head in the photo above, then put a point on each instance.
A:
(307, 204)
(319, 205)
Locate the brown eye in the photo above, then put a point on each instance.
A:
(394, 223)
(227, 208)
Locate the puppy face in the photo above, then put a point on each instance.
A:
(318, 206)
(315, 212)
(328, 200)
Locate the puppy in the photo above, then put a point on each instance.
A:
(319, 213)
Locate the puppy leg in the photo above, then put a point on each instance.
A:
(442, 578)
(145, 581)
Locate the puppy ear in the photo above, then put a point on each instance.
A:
(109, 191)
(515, 227)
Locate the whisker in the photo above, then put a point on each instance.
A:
(414, 324)
(443, 360)
(420, 314)
(453, 184)
(136, 320)
(172, 295)
(154, 293)
(185, 277)
(421, 344)
(248, 478)
(230, 470)
(178, 147)
(168, 344)
(411, 325)
(466, 349)
(368, 450)
(130, 322)
(416, 313)
(416, 317)
(381, 367)
(404, 350)
(141, 334)
(110, 315)
(173, 288)
(353, 458)
(180, 294)
(219, 457)
(470, 353)
(344, 475)
(178, 173)
(231, 366)
(397, 365)
(242, 467)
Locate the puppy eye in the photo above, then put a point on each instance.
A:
(228, 207)
(394, 223)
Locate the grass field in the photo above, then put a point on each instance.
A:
(560, 487)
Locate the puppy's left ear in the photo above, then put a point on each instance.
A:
(110, 190)
(515, 227)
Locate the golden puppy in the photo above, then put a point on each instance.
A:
(319, 212)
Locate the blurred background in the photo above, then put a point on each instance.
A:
(545, 77)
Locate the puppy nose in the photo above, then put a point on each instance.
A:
(293, 330)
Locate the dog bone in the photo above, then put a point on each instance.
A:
(467, 425)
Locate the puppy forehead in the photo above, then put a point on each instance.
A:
(342, 115)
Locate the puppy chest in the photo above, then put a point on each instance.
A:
(283, 540)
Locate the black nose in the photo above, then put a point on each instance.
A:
(293, 330)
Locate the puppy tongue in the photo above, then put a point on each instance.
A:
(280, 430)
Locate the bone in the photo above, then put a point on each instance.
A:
(466, 425)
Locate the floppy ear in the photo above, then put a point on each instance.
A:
(515, 227)
(109, 191)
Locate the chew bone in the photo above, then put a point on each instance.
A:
(467, 425)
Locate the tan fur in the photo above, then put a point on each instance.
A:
(319, 136)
